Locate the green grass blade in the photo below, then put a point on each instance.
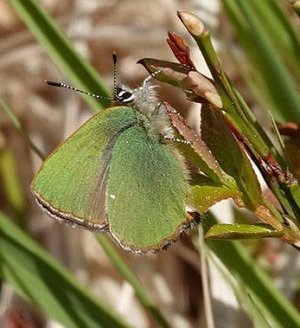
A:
(11, 182)
(260, 48)
(36, 276)
(265, 298)
(61, 51)
(280, 31)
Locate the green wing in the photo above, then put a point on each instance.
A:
(146, 192)
(71, 184)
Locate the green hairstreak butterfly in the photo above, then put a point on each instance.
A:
(119, 173)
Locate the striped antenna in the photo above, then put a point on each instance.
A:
(151, 76)
(115, 62)
(67, 86)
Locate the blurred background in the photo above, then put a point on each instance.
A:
(135, 29)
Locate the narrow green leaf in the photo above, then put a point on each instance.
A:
(230, 156)
(267, 299)
(197, 151)
(11, 182)
(205, 195)
(42, 281)
(171, 73)
(242, 231)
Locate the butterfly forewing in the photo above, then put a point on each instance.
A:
(71, 184)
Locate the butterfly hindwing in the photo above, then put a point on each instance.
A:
(146, 191)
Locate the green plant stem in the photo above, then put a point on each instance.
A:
(240, 116)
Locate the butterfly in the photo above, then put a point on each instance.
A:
(119, 173)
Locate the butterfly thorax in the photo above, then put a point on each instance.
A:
(144, 100)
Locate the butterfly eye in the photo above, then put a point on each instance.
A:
(124, 96)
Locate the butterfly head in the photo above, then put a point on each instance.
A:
(123, 95)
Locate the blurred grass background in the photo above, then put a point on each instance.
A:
(135, 30)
